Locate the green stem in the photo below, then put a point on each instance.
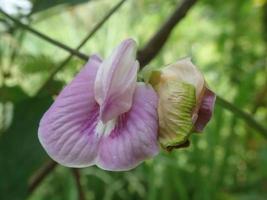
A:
(77, 178)
(242, 114)
(45, 37)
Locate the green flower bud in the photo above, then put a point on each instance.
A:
(182, 91)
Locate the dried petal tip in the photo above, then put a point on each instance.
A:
(185, 104)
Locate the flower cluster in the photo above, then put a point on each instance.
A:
(105, 117)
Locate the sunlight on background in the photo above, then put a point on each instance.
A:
(16, 7)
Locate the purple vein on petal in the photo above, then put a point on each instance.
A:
(75, 133)
(91, 122)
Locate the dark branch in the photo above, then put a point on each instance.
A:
(77, 177)
(40, 175)
(155, 44)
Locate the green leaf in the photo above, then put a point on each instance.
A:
(40, 5)
(35, 64)
(20, 152)
(12, 93)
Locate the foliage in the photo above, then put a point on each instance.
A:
(227, 40)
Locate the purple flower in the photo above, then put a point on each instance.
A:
(104, 117)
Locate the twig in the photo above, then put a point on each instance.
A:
(40, 175)
(45, 37)
(77, 177)
(156, 43)
(146, 54)
(240, 113)
(67, 59)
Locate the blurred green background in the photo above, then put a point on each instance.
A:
(227, 41)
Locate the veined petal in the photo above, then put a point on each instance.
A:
(116, 81)
(81, 129)
(134, 138)
(205, 110)
(66, 130)
(176, 104)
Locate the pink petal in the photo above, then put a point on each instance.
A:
(205, 110)
(66, 130)
(116, 81)
(134, 138)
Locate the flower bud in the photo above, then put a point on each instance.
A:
(185, 103)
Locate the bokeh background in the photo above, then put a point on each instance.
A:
(226, 39)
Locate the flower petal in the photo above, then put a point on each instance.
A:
(184, 71)
(116, 81)
(184, 103)
(205, 110)
(66, 130)
(176, 104)
(134, 138)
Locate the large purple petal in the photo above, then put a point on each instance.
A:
(134, 138)
(205, 110)
(116, 81)
(66, 130)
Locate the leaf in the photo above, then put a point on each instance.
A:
(12, 93)
(40, 5)
(20, 151)
(35, 64)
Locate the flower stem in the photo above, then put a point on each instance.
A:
(40, 175)
(77, 177)
(242, 114)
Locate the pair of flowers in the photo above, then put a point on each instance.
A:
(105, 117)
